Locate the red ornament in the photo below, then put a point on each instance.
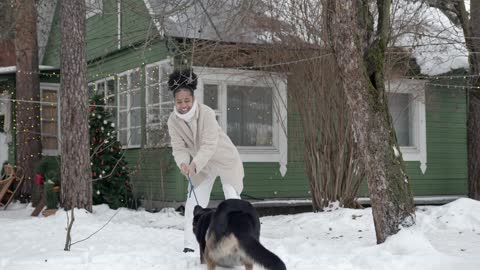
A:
(94, 139)
(91, 109)
(97, 155)
(39, 179)
(94, 174)
(102, 163)
(100, 141)
(96, 130)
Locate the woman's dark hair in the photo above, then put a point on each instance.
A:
(182, 79)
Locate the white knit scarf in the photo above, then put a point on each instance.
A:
(187, 117)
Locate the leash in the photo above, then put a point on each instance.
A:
(192, 189)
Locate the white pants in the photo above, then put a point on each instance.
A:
(202, 192)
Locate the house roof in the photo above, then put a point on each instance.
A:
(45, 14)
(225, 20)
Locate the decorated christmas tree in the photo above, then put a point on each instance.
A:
(109, 168)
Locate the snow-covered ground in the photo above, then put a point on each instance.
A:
(445, 237)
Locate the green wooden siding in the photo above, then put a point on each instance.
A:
(446, 116)
(102, 30)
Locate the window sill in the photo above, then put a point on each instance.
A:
(411, 153)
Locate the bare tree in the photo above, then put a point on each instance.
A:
(471, 29)
(75, 152)
(363, 83)
(27, 91)
(7, 34)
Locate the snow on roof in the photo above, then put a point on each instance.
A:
(13, 69)
(438, 45)
(205, 19)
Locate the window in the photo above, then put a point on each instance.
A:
(406, 100)
(3, 112)
(105, 87)
(251, 108)
(129, 108)
(49, 118)
(159, 103)
(93, 7)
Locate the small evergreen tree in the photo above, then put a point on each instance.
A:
(111, 183)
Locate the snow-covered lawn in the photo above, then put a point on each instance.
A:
(445, 237)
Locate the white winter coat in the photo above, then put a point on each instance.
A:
(210, 148)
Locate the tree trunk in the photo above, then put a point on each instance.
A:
(7, 34)
(390, 195)
(471, 32)
(27, 118)
(75, 167)
(473, 123)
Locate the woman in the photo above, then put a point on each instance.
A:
(201, 149)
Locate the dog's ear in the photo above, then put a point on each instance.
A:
(197, 210)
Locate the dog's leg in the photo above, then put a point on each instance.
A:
(248, 266)
(210, 264)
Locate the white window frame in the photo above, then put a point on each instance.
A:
(222, 77)
(415, 88)
(52, 86)
(128, 109)
(93, 7)
(160, 65)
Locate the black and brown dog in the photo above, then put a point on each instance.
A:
(229, 236)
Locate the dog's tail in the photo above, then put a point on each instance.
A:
(255, 250)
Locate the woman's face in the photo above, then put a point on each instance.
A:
(183, 101)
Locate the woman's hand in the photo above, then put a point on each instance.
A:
(188, 169)
(185, 169)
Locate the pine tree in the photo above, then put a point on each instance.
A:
(111, 183)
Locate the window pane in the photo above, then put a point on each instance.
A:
(49, 113)
(210, 95)
(123, 102)
(111, 104)
(123, 137)
(110, 87)
(49, 128)
(122, 83)
(135, 79)
(135, 99)
(49, 120)
(152, 75)
(49, 143)
(100, 87)
(249, 115)
(153, 94)
(135, 136)
(49, 95)
(398, 105)
(153, 115)
(123, 120)
(167, 96)
(135, 119)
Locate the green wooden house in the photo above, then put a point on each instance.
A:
(131, 48)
